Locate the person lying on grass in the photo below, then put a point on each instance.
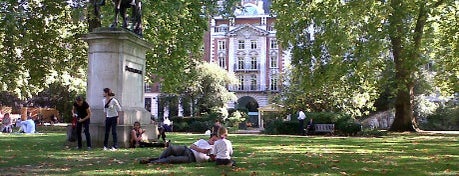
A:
(197, 152)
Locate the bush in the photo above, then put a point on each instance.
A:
(348, 126)
(446, 118)
(193, 124)
(372, 132)
(324, 117)
(198, 126)
(278, 126)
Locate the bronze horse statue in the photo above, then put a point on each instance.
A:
(121, 7)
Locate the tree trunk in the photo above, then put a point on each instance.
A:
(404, 117)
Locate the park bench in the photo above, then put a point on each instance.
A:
(324, 128)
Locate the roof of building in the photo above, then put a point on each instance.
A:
(249, 26)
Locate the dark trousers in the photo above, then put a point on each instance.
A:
(79, 127)
(110, 123)
(162, 133)
(226, 162)
(301, 127)
(175, 154)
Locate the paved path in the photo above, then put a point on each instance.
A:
(441, 132)
(258, 131)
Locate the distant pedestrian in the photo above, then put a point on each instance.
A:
(82, 113)
(217, 125)
(301, 117)
(112, 109)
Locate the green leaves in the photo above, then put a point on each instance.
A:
(36, 43)
(344, 50)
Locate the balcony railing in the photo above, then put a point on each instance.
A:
(252, 88)
(246, 67)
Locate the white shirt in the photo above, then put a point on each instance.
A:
(223, 149)
(301, 115)
(113, 107)
(201, 157)
(28, 126)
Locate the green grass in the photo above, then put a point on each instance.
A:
(395, 154)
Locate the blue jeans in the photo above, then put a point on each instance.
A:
(79, 127)
(111, 122)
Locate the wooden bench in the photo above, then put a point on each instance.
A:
(324, 128)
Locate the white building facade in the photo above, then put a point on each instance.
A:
(245, 45)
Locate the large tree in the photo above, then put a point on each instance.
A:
(38, 46)
(344, 50)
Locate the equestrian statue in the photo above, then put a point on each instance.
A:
(121, 7)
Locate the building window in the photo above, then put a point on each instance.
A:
(222, 61)
(240, 63)
(273, 44)
(263, 20)
(231, 21)
(253, 82)
(273, 83)
(241, 44)
(148, 104)
(147, 88)
(253, 44)
(273, 61)
(221, 45)
(221, 28)
(253, 62)
(241, 80)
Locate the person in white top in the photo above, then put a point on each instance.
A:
(174, 154)
(223, 149)
(112, 109)
(301, 117)
(28, 126)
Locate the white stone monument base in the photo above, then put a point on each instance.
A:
(123, 131)
(125, 125)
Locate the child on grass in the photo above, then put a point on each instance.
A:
(223, 149)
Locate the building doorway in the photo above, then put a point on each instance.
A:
(250, 105)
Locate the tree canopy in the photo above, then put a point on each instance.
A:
(345, 51)
(40, 40)
(38, 46)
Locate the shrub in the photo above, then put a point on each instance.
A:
(198, 126)
(347, 125)
(235, 118)
(278, 126)
(324, 117)
(372, 132)
(446, 118)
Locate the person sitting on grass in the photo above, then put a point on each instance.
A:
(137, 139)
(136, 135)
(7, 123)
(174, 154)
(223, 149)
(28, 126)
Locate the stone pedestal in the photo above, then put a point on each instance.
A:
(117, 61)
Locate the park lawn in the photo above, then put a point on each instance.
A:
(395, 154)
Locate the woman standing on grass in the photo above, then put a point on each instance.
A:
(111, 109)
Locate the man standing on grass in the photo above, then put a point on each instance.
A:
(301, 117)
